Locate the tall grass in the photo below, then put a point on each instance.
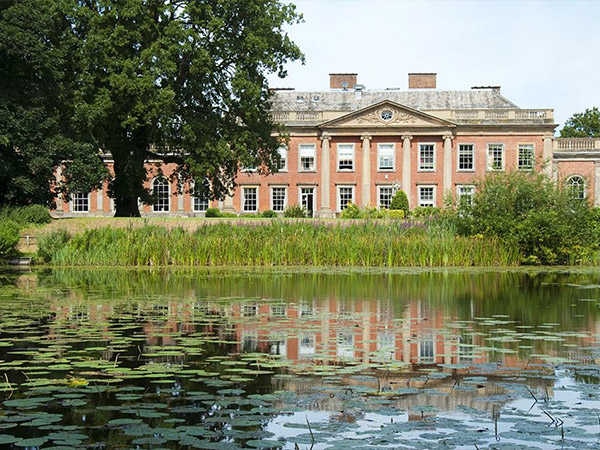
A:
(279, 243)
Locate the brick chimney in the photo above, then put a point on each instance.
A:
(422, 80)
(342, 80)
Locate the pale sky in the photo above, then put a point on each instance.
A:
(544, 54)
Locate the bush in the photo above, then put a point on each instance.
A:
(400, 202)
(374, 213)
(351, 212)
(269, 214)
(212, 212)
(226, 215)
(9, 237)
(295, 212)
(50, 243)
(548, 224)
(24, 215)
(396, 214)
(426, 211)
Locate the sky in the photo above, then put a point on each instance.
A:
(543, 54)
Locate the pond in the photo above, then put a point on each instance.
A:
(299, 359)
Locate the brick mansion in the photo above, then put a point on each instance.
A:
(358, 145)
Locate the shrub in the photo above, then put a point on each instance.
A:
(548, 224)
(33, 214)
(295, 212)
(396, 214)
(374, 213)
(351, 212)
(269, 213)
(9, 237)
(212, 212)
(426, 211)
(50, 243)
(227, 215)
(400, 202)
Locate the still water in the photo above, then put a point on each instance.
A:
(299, 359)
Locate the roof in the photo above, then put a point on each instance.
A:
(339, 100)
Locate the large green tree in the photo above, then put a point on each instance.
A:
(37, 131)
(180, 81)
(585, 124)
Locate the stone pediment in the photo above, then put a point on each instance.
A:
(387, 114)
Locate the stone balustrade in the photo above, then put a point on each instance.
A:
(576, 144)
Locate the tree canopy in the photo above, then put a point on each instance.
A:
(178, 81)
(586, 124)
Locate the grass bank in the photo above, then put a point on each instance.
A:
(389, 244)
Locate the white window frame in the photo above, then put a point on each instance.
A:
(285, 198)
(568, 185)
(154, 204)
(379, 188)
(283, 155)
(314, 149)
(490, 166)
(419, 187)
(458, 169)
(243, 199)
(420, 168)
(73, 202)
(393, 148)
(532, 148)
(339, 199)
(348, 146)
(193, 198)
(459, 194)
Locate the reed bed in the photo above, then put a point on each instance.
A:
(389, 244)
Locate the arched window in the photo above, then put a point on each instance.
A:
(200, 196)
(576, 186)
(160, 191)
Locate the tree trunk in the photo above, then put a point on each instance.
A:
(130, 175)
(126, 207)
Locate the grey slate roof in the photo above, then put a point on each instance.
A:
(338, 100)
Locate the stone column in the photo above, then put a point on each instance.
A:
(228, 203)
(180, 193)
(406, 168)
(59, 197)
(325, 177)
(547, 155)
(100, 199)
(447, 168)
(366, 170)
(597, 183)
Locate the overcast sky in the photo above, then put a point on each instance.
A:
(544, 54)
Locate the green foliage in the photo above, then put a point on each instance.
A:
(351, 212)
(374, 213)
(544, 220)
(400, 202)
(25, 215)
(50, 243)
(212, 212)
(396, 214)
(391, 243)
(294, 212)
(9, 237)
(269, 213)
(425, 211)
(586, 124)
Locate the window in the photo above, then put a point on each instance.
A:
(307, 345)
(426, 195)
(200, 198)
(426, 350)
(80, 202)
(307, 157)
(282, 164)
(495, 156)
(345, 196)
(576, 186)
(427, 157)
(345, 156)
(466, 157)
(160, 191)
(465, 194)
(386, 156)
(526, 156)
(278, 198)
(250, 199)
(385, 196)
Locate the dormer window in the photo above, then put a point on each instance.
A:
(300, 99)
